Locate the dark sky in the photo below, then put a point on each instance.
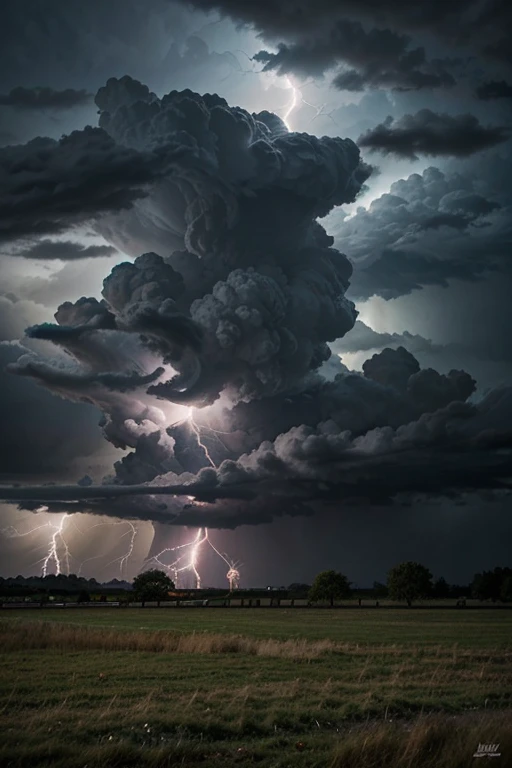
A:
(263, 250)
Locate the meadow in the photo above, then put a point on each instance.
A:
(275, 687)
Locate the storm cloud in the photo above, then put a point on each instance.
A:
(432, 134)
(205, 353)
(494, 89)
(429, 229)
(390, 37)
(44, 98)
(65, 250)
(48, 186)
(36, 434)
(375, 58)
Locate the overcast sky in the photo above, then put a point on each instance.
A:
(263, 249)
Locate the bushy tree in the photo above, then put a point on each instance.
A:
(331, 586)
(409, 581)
(488, 585)
(152, 585)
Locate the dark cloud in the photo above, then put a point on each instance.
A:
(205, 359)
(210, 310)
(44, 98)
(65, 250)
(85, 312)
(494, 89)
(429, 456)
(60, 380)
(378, 58)
(429, 229)
(86, 42)
(459, 21)
(399, 272)
(326, 461)
(307, 35)
(49, 186)
(362, 338)
(432, 134)
(42, 435)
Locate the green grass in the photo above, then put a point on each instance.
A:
(470, 629)
(195, 687)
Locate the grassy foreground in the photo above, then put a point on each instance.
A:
(279, 688)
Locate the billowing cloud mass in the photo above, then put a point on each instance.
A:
(377, 58)
(44, 98)
(432, 134)
(205, 353)
(430, 228)
(385, 44)
(48, 186)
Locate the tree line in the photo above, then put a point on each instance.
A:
(406, 581)
(411, 581)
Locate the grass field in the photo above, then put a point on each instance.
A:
(128, 687)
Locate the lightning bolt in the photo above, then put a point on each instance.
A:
(233, 574)
(55, 545)
(53, 552)
(192, 549)
(197, 433)
(58, 551)
(293, 103)
(191, 557)
(188, 554)
(133, 531)
(123, 560)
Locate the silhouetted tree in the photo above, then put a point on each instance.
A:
(441, 588)
(409, 581)
(488, 585)
(331, 586)
(152, 585)
(506, 589)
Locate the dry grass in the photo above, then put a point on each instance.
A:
(427, 742)
(75, 695)
(39, 635)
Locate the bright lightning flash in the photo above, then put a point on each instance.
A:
(58, 550)
(195, 429)
(58, 553)
(53, 553)
(293, 102)
(188, 560)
